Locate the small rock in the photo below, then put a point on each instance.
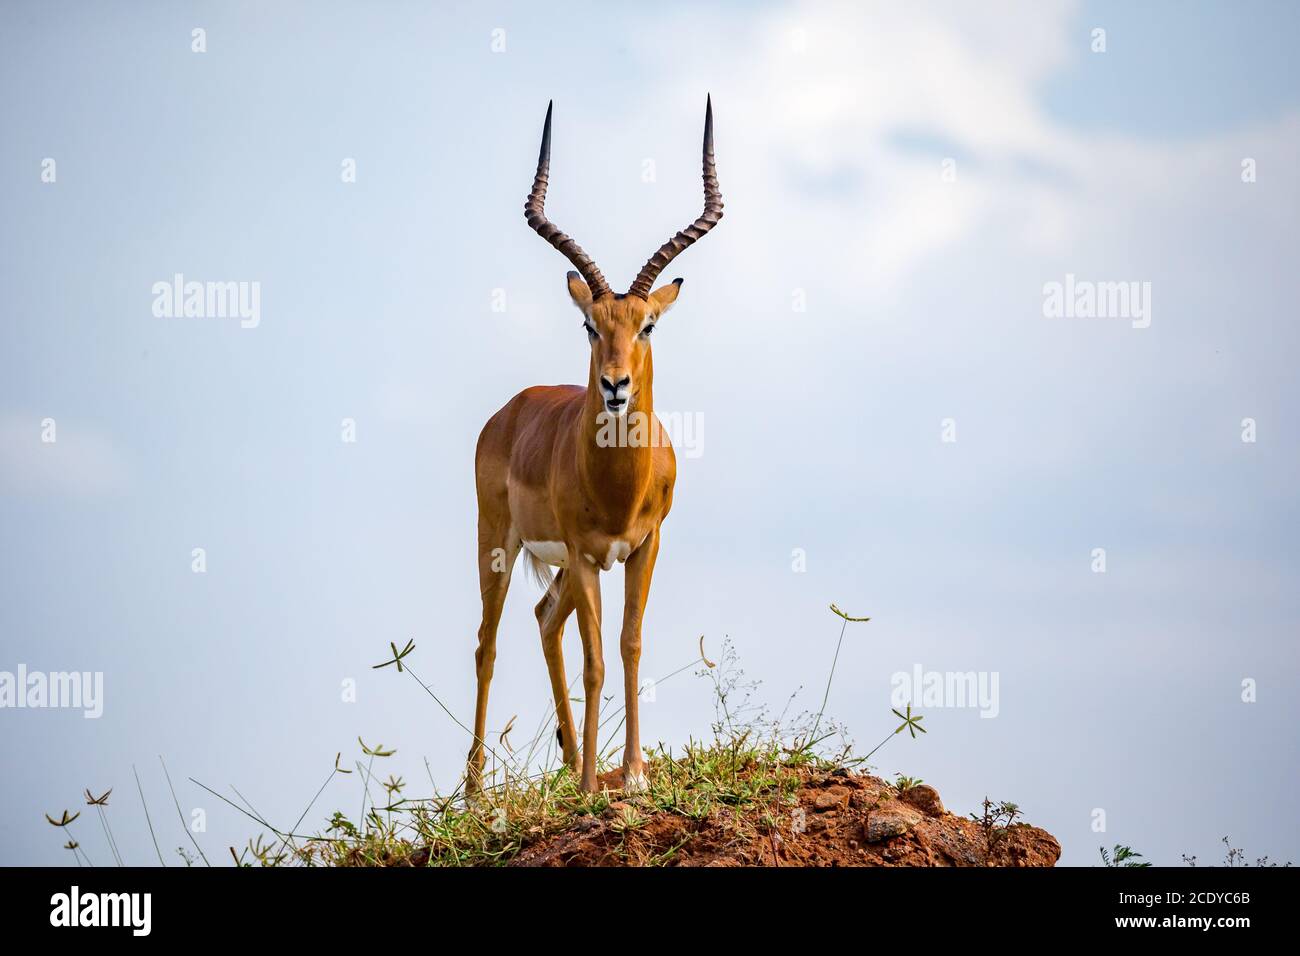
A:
(885, 824)
(925, 798)
(833, 799)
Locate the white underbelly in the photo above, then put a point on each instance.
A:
(553, 553)
(556, 553)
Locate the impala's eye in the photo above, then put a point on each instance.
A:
(647, 330)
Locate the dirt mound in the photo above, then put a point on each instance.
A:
(841, 819)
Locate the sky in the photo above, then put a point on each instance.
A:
(888, 414)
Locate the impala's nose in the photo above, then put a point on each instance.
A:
(616, 390)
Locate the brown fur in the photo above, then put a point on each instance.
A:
(543, 475)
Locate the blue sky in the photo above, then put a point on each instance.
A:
(923, 301)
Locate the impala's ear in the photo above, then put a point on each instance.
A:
(663, 297)
(579, 292)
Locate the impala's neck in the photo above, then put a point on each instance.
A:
(616, 455)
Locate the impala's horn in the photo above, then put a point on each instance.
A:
(708, 219)
(535, 213)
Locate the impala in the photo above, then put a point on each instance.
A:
(549, 482)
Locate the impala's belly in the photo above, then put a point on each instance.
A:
(556, 553)
(530, 512)
(553, 553)
(540, 532)
(604, 555)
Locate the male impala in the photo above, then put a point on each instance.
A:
(551, 482)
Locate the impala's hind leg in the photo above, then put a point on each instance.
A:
(552, 610)
(497, 550)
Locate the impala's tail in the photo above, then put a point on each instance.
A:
(539, 571)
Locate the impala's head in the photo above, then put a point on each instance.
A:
(619, 326)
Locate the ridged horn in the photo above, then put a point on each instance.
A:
(535, 213)
(692, 233)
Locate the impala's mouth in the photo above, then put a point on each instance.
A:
(616, 395)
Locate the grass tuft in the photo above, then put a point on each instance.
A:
(739, 777)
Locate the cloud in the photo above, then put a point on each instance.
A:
(821, 106)
(823, 93)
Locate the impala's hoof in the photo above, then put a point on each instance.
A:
(635, 781)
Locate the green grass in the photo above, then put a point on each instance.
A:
(736, 776)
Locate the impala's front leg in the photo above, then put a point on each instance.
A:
(585, 582)
(640, 566)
